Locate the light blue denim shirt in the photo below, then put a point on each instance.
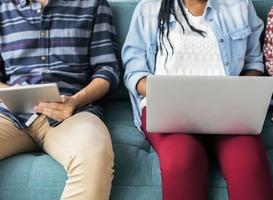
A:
(234, 22)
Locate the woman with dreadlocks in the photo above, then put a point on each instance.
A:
(198, 37)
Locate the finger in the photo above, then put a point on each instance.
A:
(46, 108)
(55, 106)
(53, 114)
(64, 98)
(16, 85)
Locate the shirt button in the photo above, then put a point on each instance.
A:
(43, 34)
(39, 10)
(221, 40)
(43, 58)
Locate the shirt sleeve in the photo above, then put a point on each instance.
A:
(254, 55)
(135, 49)
(103, 48)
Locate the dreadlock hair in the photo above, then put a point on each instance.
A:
(167, 9)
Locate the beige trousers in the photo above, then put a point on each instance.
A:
(82, 144)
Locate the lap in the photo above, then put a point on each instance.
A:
(14, 141)
(82, 125)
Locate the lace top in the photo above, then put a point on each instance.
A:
(190, 53)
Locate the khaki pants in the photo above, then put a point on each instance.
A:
(82, 144)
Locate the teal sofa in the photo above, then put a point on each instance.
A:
(36, 176)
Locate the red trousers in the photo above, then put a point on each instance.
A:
(184, 165)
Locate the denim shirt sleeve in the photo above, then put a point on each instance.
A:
(139, 49)
(254, 56)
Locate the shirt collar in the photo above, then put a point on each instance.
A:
(23, 3)
(214, 4)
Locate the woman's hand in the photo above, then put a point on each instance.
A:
(58, 111)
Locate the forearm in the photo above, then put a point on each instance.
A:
(96, 89)
(3, 85)
(251, 73)
(141, 86)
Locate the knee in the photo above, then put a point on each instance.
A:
(102, 152)
(246, 164)
(183, 154)
(185, 164)
(93, 155)
(99, 152)
(249, 165)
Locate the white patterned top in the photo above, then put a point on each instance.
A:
(192, 53)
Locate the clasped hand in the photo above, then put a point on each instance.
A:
(58, 111)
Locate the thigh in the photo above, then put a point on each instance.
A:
(244, 164)
(177, 147)
(80, 133)
(183, 163)
(238, 154)
(12, 140)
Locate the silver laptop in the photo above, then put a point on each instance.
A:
(22, 99)
(207, 104)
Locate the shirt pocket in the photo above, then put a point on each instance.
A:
(73, 46)
(239, 40)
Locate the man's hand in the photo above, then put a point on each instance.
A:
(58, 111)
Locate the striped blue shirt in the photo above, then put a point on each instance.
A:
(69, 42)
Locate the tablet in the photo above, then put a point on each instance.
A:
(21, 99)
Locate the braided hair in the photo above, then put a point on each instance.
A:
(167, 9)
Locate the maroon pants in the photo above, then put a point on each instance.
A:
(184, 165)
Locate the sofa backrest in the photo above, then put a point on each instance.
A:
(122, 13)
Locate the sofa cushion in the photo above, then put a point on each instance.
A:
(136, 163)
(31, 176)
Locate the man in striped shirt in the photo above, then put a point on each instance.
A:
(68, 42)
